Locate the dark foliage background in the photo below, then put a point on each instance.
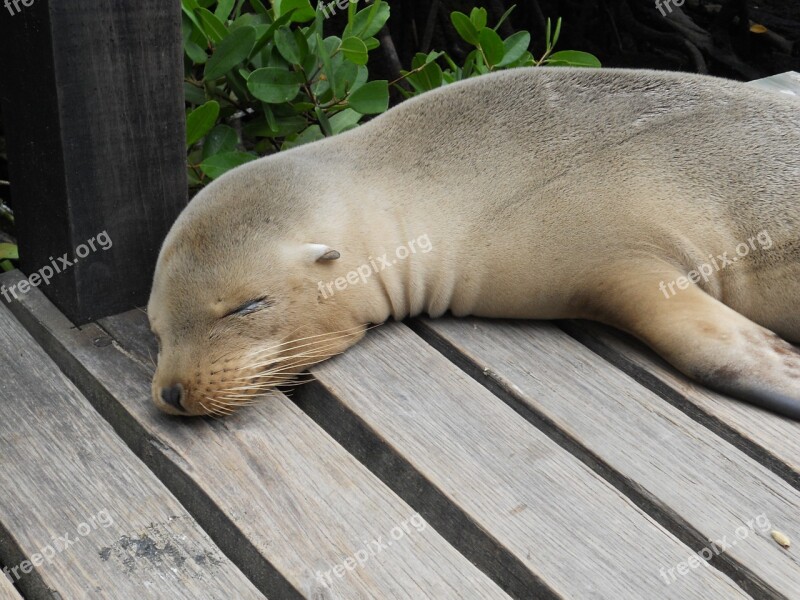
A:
(738, 39)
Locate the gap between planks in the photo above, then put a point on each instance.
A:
(277, 494)
(499, 354)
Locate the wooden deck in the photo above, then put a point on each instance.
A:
(436, 459)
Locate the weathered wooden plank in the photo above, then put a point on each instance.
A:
(65, 473)
(93, 100)
(705, 486)
(7, 591)
(279, 496)
(767, 437)
(501, 489)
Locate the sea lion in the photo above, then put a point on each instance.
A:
(664, 204)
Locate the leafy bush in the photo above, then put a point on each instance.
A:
(261, 80)
(491, 53)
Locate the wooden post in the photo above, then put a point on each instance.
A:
(92, 96)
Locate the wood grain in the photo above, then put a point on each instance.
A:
(769, 438)
(702, 484)
(65, 473)
(278, 495)
(535, 503)
(94, 103)
(7, 591)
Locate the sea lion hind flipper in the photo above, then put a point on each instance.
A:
(710, 342)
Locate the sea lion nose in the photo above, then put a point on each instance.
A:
(173, 396)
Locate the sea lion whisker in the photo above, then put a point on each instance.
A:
(299, 359)
(329, 337)
(222, 410)
(291, 370)
(266, 385)
(254, 355)
(346, 332)
(322, 345)
(208, 411)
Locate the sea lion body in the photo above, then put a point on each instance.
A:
(543, 193)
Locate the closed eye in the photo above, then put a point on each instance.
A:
(251, 306)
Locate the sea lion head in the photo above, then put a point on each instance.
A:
(235, 305)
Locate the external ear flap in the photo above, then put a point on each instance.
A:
(321, 252)
(330, 255)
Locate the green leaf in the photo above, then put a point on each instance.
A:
(302, 107)
(344, 120)
(249, 19)
(193, 94)
(311, 134)
(346, 75)
(238, 84)
(557, 33)
(428, 78)
(212, 26)
(217, 165)
(368, 21)
(465, 28)
(259, 7)
(222, 138)
(573, 58)
(514, 47)
(234, 49)
(223, 10)
(469, 64)
(195, 53)
(492, 46)
(371, 98)
(526, 60)
(504, 17)
(354, 50)
(478, 17)
(324, 55)
(6, 265)
(303, 10)
(274, 85)
(188, 7)
(292, 45)
(9, 252)
(200, 121)
(284, 126)
(264, 39)
(324, 123)
(269, 115)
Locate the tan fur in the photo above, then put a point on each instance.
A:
(545, 193)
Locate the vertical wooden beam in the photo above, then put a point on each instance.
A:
(93, 104)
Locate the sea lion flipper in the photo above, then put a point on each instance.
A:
(711, 343)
